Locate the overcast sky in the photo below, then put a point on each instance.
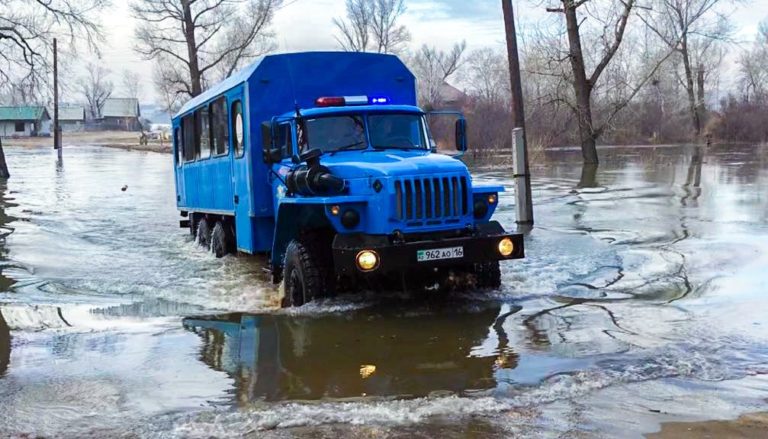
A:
(306, 25)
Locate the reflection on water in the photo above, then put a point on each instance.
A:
(279, 357)
(647, 272)
(5, 345)
(5, 231)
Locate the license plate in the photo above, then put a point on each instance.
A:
(437, 254)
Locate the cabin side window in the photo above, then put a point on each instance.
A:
(219, 127)
(203, 131)
(188, 137)
(238, 128)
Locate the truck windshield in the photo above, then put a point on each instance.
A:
(347, 132)
(335, 133)
(404, 131)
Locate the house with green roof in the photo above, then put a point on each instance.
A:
(24, 121)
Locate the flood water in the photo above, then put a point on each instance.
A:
(642, 300)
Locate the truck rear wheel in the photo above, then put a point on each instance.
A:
(204, 233)
(303, 278)
(221, 239)
(488, 275)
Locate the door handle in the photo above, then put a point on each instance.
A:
(237, 199)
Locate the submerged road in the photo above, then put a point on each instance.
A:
(642, 300)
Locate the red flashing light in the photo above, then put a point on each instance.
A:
(331, 102)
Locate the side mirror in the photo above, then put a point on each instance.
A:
(461, 134)
(266, 143)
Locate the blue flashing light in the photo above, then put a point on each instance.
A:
(378, 100)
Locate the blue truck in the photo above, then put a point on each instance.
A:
(324, 162)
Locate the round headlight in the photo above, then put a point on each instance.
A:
(367, 260)
(506, 247)
(481, 209)
(350, 219)
(492, 198)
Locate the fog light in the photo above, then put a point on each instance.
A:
(506, 247)
(492, 199)
(367, 260)
(335, 210)
(350, 219)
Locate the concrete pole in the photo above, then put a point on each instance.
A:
(523, 203)
(56, 132)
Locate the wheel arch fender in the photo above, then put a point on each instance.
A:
(291, 221)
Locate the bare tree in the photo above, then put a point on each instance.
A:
(388, 35)
(201, 41)
(355, 30)
(691, 28)
(487, 76)
(166, 77)
(584, 83)
(372, 24)
(433, 67)
(131, 83)
(95, 88)
(27, 28)
(753, 66)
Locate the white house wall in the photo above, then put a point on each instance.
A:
(45, 128)
(8, 129)
(71, 126)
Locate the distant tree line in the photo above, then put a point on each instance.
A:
(594, 71)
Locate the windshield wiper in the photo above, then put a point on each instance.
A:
(397, 147)
(347, 147)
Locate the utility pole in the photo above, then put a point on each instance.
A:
(522, 176)
(56, 131)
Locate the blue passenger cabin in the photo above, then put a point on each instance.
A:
(217, 138)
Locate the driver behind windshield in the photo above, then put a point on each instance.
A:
(336, 133)
(395, 131)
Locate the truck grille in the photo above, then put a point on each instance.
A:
(431, 199)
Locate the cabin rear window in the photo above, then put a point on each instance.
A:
(219, 127)
(188, 137)
(203, 144)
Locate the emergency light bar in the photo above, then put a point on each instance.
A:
(343, 101)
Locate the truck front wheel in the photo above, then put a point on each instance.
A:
(488, 275)
(303, 278)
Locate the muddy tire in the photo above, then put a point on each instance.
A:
(222, 239)
(204, 233)
(488, 275)
(304, 279)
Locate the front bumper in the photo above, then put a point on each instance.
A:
(479, 247)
